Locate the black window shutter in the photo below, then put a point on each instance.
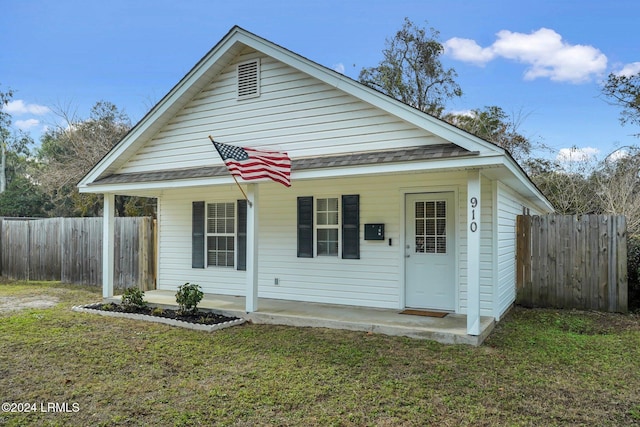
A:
(242, 235)
(197, 235)
(305, 227)
(351, 226)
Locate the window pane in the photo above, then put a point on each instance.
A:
(441, 209)
(442, 245)
(430, 245)
(327, 242)
(420, 244)
(327, 211)
(442, 227)
(431, 209)
(419, 209)
(431, 227)
(322, 218)
(420, 227)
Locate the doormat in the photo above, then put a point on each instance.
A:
(427, 313)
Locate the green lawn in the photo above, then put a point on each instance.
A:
(539, 367)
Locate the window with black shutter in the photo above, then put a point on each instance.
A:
(219, 235)
(336, 227)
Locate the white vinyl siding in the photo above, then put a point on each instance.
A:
(510, 205)
(294, 113)
(174, 249)
(374, 280)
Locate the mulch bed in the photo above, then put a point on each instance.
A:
(201, 317)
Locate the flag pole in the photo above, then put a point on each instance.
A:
(233, 176)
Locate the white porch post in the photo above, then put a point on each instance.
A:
(108, 245)
(473, 252)
(251, 301)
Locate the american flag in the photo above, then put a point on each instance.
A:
(248, 163)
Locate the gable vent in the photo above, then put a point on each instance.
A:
(249, 79)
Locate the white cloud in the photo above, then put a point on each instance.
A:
(468, 113)
(629, 69)
(26, 124)
(18, 107)
(468, 50)
(575, 154)
(544, 51)
(617, 155)
(339, 68)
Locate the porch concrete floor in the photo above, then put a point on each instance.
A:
(451, 329)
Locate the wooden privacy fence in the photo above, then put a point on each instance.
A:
(568, 262)
(70, 250)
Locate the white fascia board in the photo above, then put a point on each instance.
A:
(323, 173)
(146, 187)
(395, 168)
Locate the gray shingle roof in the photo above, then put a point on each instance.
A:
(438, 151)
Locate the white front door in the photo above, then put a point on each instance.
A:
(430, 251)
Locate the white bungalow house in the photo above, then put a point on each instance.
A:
(388, 207)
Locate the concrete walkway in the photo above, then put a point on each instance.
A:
(451, 329)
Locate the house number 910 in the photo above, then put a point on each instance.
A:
(474, 225)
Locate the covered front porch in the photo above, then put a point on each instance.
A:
(451, 329)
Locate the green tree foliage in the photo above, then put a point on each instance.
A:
(494, 125)
(624, 91)
(22, 196)
(411, 70)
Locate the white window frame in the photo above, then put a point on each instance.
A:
(210, 234)
(317, 226)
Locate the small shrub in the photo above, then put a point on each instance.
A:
(157, 311)
(188, 297)
(133, 298)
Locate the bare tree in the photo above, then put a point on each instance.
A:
(618, 186)
(70, 150)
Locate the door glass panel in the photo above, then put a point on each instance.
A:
(431, 227)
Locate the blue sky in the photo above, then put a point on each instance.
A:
(542, 61)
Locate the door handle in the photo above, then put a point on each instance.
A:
(407, 256)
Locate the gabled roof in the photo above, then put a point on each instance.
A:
(237, 39)
(216, 60)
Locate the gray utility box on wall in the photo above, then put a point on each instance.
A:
(374, 232)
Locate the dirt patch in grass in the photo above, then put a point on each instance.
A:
(8, 304)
